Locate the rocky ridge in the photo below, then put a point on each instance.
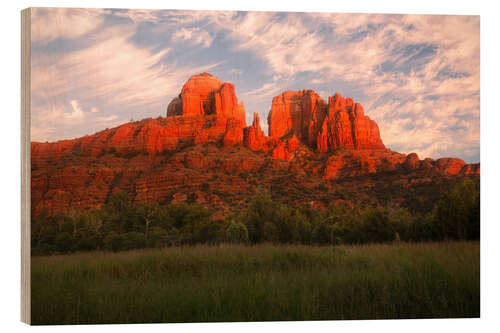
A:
(203, 142)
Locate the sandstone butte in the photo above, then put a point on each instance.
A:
(301, 125)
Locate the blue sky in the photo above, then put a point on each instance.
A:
(416, 75)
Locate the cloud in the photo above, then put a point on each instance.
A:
(138, 15)
(107, 119)
(110, 74)
(76, 113)
(62, 121)
(394, 60)
(194, 36)
(49, 24)
(266, 91)
(416, 75)
(236, 71)
(112, 68)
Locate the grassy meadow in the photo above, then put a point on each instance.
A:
(258, 283)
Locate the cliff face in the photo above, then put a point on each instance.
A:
(323, 126)
(203, 152)
(204, 95)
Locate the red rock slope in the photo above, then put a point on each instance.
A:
(204, 142)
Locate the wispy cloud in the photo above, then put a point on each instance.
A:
(76, 112)
(416, 75)
(194, 36)
(395, 60)
(111, 70)
(49, 24)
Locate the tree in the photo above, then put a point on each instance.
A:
(402, 221)
(376, 226)
(261, 209)
(148, 212)
(132, 240)
(457, 213)
(64, 242)
(112, 242)
(119, 202)
(236, 233)
(270, 232)
(158, 237)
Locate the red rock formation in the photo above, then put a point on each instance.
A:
(81, 173)
(451, 166)
(175, 107)
(300, 112)
(321, 126)
(254, 137)
(207, 110)
(284, 148)
(204, 94)
(354, 163)
(471, 170)
(412, 162)
(234, 132)
(197, 95)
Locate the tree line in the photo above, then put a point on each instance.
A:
(122, 224)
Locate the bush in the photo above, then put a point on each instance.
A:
(376, 226)
(64, 242)
(133, 240)
(158, 237)
(270, 232)
(88, 242)
(236, 233)
(112, 242)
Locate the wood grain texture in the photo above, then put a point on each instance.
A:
(25, 165)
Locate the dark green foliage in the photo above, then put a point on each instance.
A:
(133, 240)
(236, 233)
(261, 209)
(270, 232)
(122, 224)
(457, 214)
(64, 242)
(377, 227)
(113, 241)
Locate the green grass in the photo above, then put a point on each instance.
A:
(265, 282)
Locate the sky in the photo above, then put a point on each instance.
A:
(417, 76)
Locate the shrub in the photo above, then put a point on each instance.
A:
(112, 242)
(158, 237)
(236, 233)
(376, 226)
(64, 242)
(133, 240)
(270, 232)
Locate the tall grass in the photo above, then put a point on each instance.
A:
(265, 282)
